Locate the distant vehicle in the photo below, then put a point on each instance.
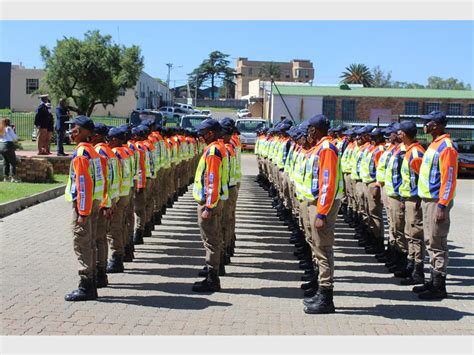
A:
(248, 128)
(206, 112)
(170, 112)
(243, 113)
(137, 116)
(190, 121)
(186, 108)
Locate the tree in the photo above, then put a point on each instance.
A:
(92, 71)
(357, 74)
(435, 82)
(380, 79)
(270, 70)
(212, 68)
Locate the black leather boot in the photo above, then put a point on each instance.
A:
(138, 237)
(115, 264)
(147, 230)
(322, 304)
(426, 286)
(85, 292)
(437, 291)
(211, 283)
(102, 280)
(129, 256)
(407, 271)
(157, 218)
(416, 278)
(313, 283)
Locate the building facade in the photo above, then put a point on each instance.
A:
(368, 104)
(297, 70)
(149, 93)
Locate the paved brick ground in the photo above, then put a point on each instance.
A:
(260, 295)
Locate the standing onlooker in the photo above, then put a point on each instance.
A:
(44, 124)
(7, 149)
(62, 115)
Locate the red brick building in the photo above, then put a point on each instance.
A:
(368, 104)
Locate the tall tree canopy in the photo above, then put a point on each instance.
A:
(383, 79)
(92, 71)
(357, 74)
(215, 67)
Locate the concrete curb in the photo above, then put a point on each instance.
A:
(11, 207)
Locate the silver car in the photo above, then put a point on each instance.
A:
(248, 128)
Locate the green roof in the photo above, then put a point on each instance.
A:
(375, 92)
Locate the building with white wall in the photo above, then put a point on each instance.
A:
(149, 93)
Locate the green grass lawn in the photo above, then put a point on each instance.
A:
(10, 191)
(33, 146)
(217, 109)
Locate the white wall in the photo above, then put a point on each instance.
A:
(19, 99)
(312, 105)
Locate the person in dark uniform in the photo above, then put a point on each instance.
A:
(62, 115)
(44, 124)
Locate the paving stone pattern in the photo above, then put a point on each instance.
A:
(260, 294)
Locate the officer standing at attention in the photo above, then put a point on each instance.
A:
(327, 189)
(411, 203)
(84, 189)
(436, 187)
(110, 169)
(207, 191)
(62, 115)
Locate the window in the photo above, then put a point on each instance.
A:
(121, 92)
(329, 108)
(348, 110)
(470, 110)
(411, 108)
(250, 71)
(431, 106)
(454, 110)
(31, 85)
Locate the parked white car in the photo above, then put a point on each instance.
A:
(248, 128)
(243, 113)
(186, 108)
(172, 112)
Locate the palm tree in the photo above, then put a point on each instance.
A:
(270, 70)
(358, 74)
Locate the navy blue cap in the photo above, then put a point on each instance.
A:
(287, 121)
(208, 124)
(140, 130)
(227, 125)
(148, 122)
(101, 129)
(437, 116)
(408, 127)
(117, 132)
(349, 132)
(319, 122)
(83, 122)
(284, 127)
(339, 128)
(377, 132)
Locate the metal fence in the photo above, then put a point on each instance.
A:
(24, 122)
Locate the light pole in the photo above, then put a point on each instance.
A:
(170, 66)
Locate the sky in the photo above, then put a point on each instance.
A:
(411, 50)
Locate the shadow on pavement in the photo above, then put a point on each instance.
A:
(171, 302)
(407, 312)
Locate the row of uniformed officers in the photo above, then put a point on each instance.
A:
(122, 180)
(314, 172)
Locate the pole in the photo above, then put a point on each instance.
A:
(271, 100)
(282, 99)
(169, 65)
(196, 92)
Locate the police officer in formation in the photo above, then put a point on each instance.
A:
(309, 172)
(216, 185)
(120, 183)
